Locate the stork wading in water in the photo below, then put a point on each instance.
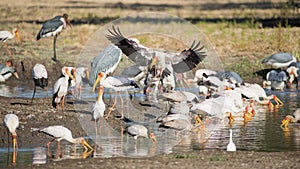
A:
(40, 78)
(275, 79)
(116, 83)
(166, 62)
(231, 145)
(137, 130)
(5, 35)
(99, 106)
(59, 133)
(291, 119)
(53, 27)
(11, 121)
(61, 87)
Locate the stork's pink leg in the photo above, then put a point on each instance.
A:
(7, 50)
(63, 103)
(112, 107)
(122, 105)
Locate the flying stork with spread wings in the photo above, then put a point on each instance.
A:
(165, 62)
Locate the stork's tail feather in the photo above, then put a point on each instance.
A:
(38, 37)
(54, 100)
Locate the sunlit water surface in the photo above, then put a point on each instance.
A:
(263, 133)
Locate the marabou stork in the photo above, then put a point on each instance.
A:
(116, 83)
(11, 121)
(279, 60)
(40, 78)
(99, 105)
(59, 133)
(291, 118)
(53, 27)
(61, 87)
(137, 130)
(107, 61)
(4, 35)
(275, 79)
(163, 60)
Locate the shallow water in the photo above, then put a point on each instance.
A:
(263, 133)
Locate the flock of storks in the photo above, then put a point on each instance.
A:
(225, 94)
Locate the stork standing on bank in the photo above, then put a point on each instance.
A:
(5, 35)
(59, 133)
(53, 27)
(61, 88)
(279, 60)
(40, 78)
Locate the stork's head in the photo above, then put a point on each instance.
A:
(152, 137)
(101, 75)
(66, 72)
(85, 144)
(65, 16)
(153, 62)
(16, 32)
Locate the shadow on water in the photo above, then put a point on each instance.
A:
(263, 133)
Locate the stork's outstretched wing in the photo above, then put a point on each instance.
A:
(132, 49)
(188, 59)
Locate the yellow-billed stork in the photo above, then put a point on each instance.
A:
(116, 83)
(138, 130)
(12, 123)
(291, 118)
(53, 27)
(6, 71)
(61, 87)
(59, 133)
(231, 145)
(5, 35)
(40, 78)
(99, 105)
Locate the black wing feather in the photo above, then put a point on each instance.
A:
(129, 47)
(190, 58)
(50, 26)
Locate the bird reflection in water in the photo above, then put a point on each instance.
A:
(39, 155)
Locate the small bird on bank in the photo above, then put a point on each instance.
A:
(231, 145)
(53, 27)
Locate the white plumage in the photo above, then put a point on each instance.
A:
(39, 71)
(11, 122)
(231, 145)
(60, 133)
(99, 105)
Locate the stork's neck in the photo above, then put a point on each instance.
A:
(230, 139)
(100, 94)
(73, 140)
